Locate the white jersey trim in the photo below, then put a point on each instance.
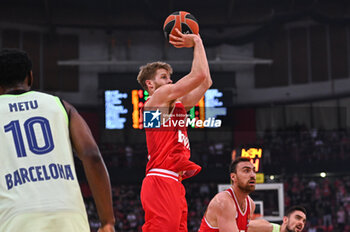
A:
(164, 171)
(212, 227)
(166, 176)
(239, 208)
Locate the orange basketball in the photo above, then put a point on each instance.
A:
(181, 20)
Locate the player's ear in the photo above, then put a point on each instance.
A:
(285, 219)
(30, 79)
(149, 84)
(233, 176)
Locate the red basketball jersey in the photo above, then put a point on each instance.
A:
(242, 219)
(168, 146)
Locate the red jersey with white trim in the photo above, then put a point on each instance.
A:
(168, 146)
(206, 227)
(242, 219)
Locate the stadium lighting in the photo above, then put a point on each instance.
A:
(323, 174)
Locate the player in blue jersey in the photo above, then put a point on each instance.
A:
(39, 190)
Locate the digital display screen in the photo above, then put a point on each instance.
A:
(122, 108)
(253, 153)
(115, 110)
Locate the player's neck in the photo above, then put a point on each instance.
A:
(4, 90)
(283, 228)
(241, 196)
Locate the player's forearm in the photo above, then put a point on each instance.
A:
(200, 67)
(208, 81)
(98, 178)
(205, 66)
(260, 225)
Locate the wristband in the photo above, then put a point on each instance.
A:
(275, 227)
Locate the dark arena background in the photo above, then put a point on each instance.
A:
(281, 86)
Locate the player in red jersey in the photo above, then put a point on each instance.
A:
(162, 193)
(232, 209)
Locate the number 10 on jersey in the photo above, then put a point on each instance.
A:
(15, 127)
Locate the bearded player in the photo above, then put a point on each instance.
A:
(162, 193)
(232, 209)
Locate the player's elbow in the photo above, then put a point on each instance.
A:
(93, 161)
(199, 75)
(209, 82)
(90, 155)
(197, 79)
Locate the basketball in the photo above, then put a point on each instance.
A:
(181, 20)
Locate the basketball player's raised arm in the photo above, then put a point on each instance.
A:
(94, 167)
(225, 213)
(198, 72)
(192, 98)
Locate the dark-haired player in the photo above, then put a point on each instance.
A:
(293, 221)
(39, 190)
(232, 209)
(162, 194)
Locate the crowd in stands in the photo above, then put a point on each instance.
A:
(121, 155)
(299, 149)
(327, 201)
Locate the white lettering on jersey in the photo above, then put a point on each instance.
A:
(182, 138)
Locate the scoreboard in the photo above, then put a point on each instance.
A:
(122, 107)
(255, 154)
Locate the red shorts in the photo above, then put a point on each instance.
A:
(163, 200)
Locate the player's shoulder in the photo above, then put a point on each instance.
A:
(46, 96)
(41, 93)
(160, 98)
(164, 93)
(162, 90)
(221, 205)
(43, 96)
(222, 200)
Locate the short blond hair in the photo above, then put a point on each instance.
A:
(148, 71)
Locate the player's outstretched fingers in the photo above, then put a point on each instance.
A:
(176, 44)
(175, 38)
(178, 32)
